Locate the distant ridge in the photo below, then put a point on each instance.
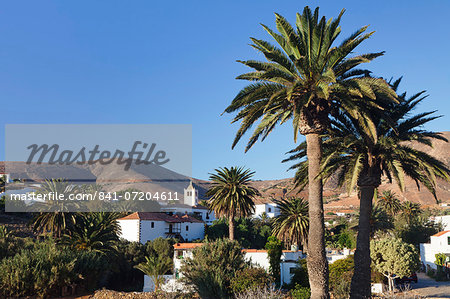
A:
(269, 189)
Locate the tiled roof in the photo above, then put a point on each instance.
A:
(261, 200)
(187, 245)
(187, 218)
(441, 233)
(254, 250)
(159, 216)
(151, 216)
(200, 207)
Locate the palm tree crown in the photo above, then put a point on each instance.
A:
(96, 232)
(350, 153)
(231, 194)
(389, 201)
(304, 77)
(291, 226)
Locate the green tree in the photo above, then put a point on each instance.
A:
(274, 249)
(96, 232)
(441, 258)
(155, 267)
(389, 201)
(393, 257)
(249, 232)
(250, 278)
(355, 158)
(306, 77)
(160, 247)
(231, 195)
(291, 225)
(55, 217)
(341, 272)
(212, 267)
(410, 211)
(124, 275)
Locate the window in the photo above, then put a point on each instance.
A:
(207, 215)
(187, 227)
(292, 270)
(189, 193)
(448, 240)
(270, 210)
(153, 224)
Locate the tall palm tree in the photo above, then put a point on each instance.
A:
(304, 78)
(291, 225)
(410, 211)
(358, 159)
(155, 267)
(231, 195)
(389, 201)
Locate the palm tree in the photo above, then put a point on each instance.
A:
(356, 158)
(231, 195)
(55, 217)
(97, 232)
(291, 226)
(155, 267)
(390, 202)
(410, 211)
(305, 77)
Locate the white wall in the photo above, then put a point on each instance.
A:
(196, 231)
(445, 220)
(259, 258)
(428, 251)
(427, 255)
(129, 229)
(149, 286)
(270, 209)
(148, 233)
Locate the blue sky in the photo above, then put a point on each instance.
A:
(174, 62)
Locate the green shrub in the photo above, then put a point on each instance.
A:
(301, 292)
(124, 276)
(341, 272)
(12, 245)
(249, 279)
(40, 271)
(431, 273)
(300, 275)
(212, 267)
(341, 290)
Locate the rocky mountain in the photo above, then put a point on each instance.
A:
(336, 198)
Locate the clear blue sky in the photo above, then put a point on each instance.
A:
(174, 62)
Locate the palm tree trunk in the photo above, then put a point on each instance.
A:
(360, 286)
(317, 260)
(231, 227)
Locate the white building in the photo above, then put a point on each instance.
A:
(334, 255)
(146, 226)
(439, 243)
(258, 257)
(266, 206)
(444, 220)
(190, 206)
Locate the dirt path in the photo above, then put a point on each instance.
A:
(430, 288)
